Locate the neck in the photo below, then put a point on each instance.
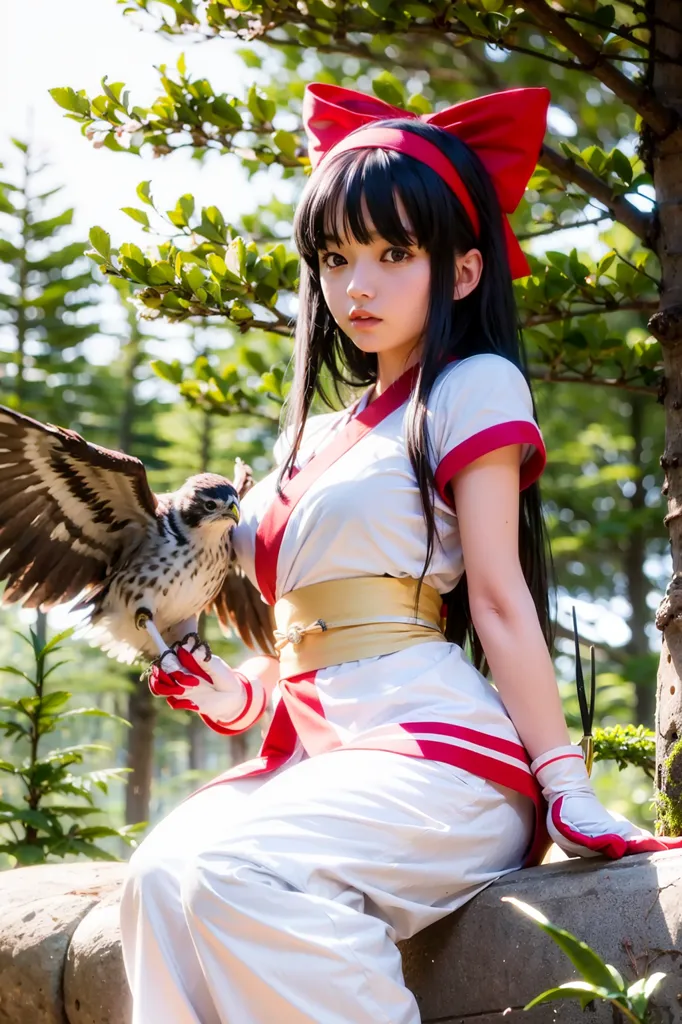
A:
(391, 365)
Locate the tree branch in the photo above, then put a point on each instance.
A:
(598, 309)
(545, 376)
(524, 236)
(659, 118)
(640, 223)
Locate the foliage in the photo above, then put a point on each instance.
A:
(435, 52)
(45, 292)
(600, 980)
(47, 822)
(627, 744)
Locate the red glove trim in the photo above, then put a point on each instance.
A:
(182, 703)
(228, 729)
(611, 843)
(560, 757)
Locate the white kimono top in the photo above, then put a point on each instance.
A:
(352, 509)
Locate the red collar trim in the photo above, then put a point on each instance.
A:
(270, 533)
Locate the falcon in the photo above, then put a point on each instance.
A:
(81, 521)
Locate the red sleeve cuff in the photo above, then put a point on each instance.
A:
(498, 436)
(245, 719)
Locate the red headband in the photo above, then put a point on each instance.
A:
(505, 130)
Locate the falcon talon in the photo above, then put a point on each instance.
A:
(198, 642)
(158, 662)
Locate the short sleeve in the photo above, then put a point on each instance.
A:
(479, 404)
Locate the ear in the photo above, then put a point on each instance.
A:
(468, 270)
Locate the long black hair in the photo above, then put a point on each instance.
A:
(328, 364)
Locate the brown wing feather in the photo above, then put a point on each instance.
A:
(68, 510)
(238, 603)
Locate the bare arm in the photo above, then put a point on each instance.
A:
(486, 494)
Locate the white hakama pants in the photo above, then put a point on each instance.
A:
(278, 899)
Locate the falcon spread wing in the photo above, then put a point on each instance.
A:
(238, 603)
(69, 511)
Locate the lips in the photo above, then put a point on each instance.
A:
(364, 319)
(362, 314)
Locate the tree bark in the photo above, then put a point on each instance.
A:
(664, 155)
(142, 714)
(142, 711)
(637, 582)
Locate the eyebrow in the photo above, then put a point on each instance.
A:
(373, 235)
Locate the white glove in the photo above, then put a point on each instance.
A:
(225, 699)
(577, 821)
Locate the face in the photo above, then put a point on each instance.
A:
(387, 281)
(209, 505)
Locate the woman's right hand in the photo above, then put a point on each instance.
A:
(227, 701)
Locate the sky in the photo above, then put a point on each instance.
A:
(44, 44)
(48, 43)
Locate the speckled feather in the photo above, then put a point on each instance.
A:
(80, 521)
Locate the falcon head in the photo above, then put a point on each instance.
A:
(207, 499)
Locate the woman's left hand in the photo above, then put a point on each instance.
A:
(576, 821)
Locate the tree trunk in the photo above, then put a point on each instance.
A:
(638, 584)
(664, 156)
(196, 738)
(142, 712)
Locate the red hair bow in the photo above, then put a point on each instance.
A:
(505, 130)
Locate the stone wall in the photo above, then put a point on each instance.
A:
(60, 957)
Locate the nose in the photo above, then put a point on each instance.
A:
(360, 284)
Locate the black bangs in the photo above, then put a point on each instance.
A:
(378, 177)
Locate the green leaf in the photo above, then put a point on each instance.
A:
(143, 193)
(621, 166)
(54, 701)
(161, 273)
(101, 242)
(168, 371)
(419, 104)
(93, 713)
(70, 100)
(640, 992)
(239, 313)
(27, 854)
(52, 644)
(389, 89)
(217, 265)
(138, 215)
(224, 111)
(581, 990)
(285, 143)
(589, 963)
(262, 109)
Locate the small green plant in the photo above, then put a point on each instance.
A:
(626, 744)
(45, 822)
(600, 980)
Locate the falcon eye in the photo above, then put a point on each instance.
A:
(210, 506)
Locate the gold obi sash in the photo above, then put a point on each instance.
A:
(350, 619)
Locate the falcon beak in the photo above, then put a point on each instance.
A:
(232, 512)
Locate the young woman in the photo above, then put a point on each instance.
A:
(394, 782)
